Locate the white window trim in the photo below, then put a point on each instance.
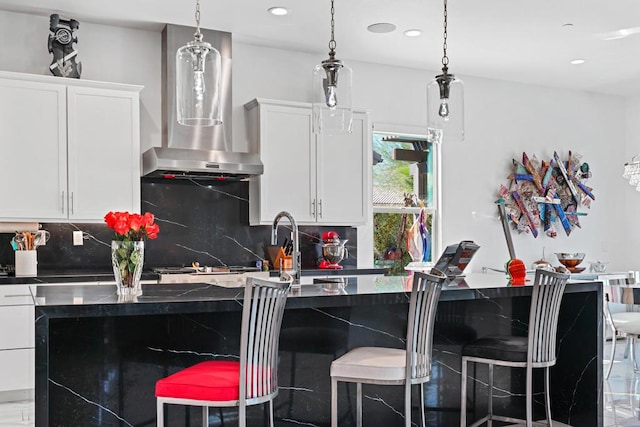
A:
(365, 232)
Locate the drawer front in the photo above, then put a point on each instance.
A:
(17, 370)
(16, 327)
(15, 295)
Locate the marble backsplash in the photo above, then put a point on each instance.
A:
(201, 221)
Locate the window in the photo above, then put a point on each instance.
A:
(405, 174)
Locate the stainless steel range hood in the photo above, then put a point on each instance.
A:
(196, 152)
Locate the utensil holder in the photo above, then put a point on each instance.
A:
(275, 254)
(26, 263)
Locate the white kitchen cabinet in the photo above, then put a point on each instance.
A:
(319, 179)
(71, 150)
(16, 338)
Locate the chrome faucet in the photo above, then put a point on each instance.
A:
(295, 264)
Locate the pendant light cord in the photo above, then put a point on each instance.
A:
(197, 35)
(332, 42)
(445, 58)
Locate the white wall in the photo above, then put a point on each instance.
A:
(502, 120)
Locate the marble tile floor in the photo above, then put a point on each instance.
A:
(621, 397)
(17, 414)
(621, 390)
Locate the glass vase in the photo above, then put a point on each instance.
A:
(127, 257)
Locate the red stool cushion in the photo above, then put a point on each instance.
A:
(215, 380)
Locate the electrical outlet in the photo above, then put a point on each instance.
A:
(77, 238)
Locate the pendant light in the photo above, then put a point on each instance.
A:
(332, 111)
(198, 81)
(445, 99)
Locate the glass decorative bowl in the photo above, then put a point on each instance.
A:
(570, 259)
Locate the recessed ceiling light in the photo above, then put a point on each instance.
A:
(413, 33)
(278, 11)
(382, 27)
(577, 61)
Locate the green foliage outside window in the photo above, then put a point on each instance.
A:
(388, 244)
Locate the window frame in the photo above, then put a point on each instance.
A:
(435, 210)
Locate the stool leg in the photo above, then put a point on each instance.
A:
(490, 420)
(205, 416)
(359, 404)
(632, 340)
(407, 405)
(334, 403)
(271, 413)
(626, 347)
(547, 393)
(424, 420)
(159, 414)
(529, 397)
(463, 394)
(613, 356)
(242, 416)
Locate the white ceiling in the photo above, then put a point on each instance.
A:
(522, 41)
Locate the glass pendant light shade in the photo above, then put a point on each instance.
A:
(198, 91)
(445, 107)
(332, 109)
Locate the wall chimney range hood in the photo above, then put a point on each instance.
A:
(196, 152)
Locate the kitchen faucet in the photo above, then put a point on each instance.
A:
(295, 264)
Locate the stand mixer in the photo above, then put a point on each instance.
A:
(333, 251)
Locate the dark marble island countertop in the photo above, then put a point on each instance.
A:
(81, 299)
(87, 338)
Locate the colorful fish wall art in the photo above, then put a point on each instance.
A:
(547, 195)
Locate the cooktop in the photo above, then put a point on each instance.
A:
(188, 270)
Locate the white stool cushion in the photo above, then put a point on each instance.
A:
(627, 322)
(373, 363)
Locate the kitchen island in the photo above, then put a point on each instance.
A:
(98, 358)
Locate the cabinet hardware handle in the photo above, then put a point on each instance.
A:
(72, 203)
(17, 296)
(313, 207)
(320, 208)
(62, 202)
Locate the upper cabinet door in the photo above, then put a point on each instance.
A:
(287, 150)
(33, 156)
(104, 152)
(344, 175)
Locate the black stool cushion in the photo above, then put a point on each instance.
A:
(498, 347)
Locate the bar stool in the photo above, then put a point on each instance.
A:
(251, 381)
(626, 324)
(393, 366)
(537, 350)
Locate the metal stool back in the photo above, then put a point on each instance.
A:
(262, 312)
(357, 367)
(548, 288)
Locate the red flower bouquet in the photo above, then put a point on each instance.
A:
(132, 226)
(127, 248)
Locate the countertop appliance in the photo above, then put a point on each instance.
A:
(333, 251)
(190, 152)
(230, 276)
